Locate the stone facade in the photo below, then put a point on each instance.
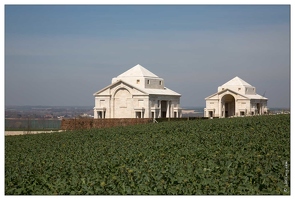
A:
(137, 93)
(235, 98)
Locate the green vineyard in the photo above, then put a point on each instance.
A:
(233, 156)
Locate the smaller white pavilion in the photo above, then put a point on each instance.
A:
(235, 98)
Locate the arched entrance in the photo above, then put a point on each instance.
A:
(228, 105)
(122, 103)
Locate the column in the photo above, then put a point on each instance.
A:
(237, 111)
(168, 110)
(160, 110)
(95, 114)
(222, 110)
(112, 112)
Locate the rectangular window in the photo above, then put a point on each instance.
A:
(148, 81)
(160, 82)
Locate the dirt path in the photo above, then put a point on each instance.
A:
(26, 132)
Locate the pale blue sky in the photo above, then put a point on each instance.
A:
(61, 55)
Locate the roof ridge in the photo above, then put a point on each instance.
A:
(138, 71)
(237, 81)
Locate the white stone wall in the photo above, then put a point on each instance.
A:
(125, 102)
(212, 104)
(250, 90)
(242, 106)
(154, 83)
(102, 104)
(122, 103)
(140, 105)
(143, 82)
(239, 89)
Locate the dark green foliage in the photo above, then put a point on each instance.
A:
(244, 156)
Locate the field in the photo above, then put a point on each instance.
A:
(235, 156)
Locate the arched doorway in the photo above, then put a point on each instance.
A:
(228, 105)
(122, 103)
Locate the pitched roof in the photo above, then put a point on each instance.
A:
(248, 96)
(255, 96)
(236, 81)
(165, 91)
(116, 83)
(138, 71)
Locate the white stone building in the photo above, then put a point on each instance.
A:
(235, 98)
(137, 93)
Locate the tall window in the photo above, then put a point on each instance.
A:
(160, 82)
(148, 81)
